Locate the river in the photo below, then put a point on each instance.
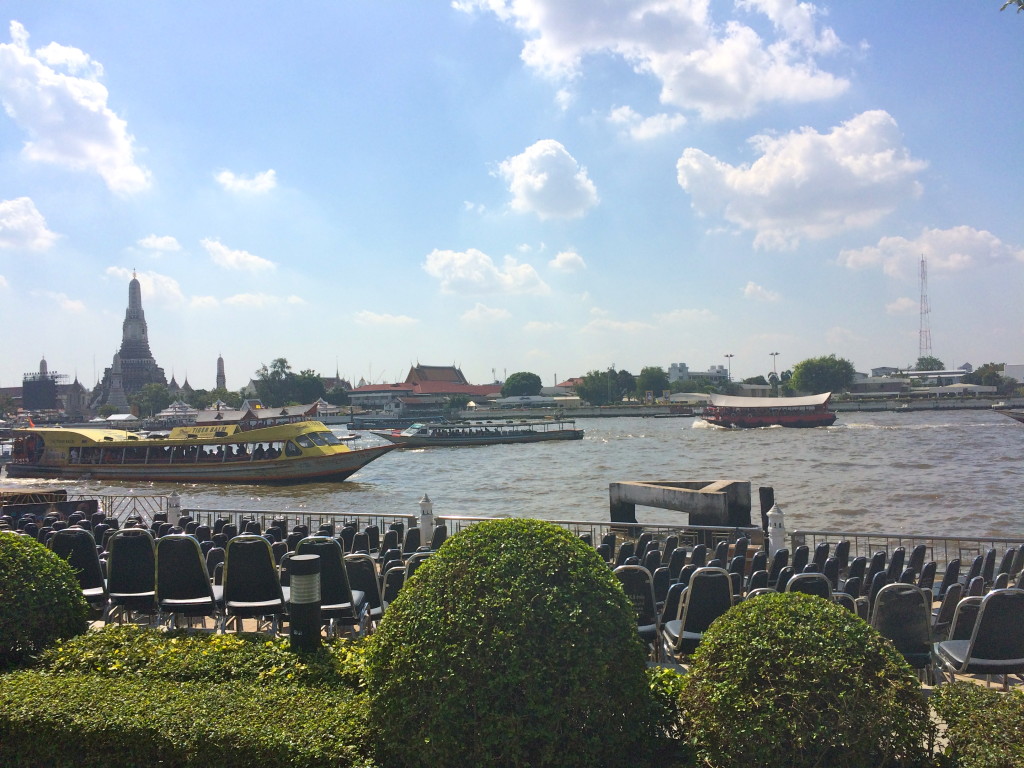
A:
(956, 473)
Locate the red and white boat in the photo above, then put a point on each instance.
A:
(809, 411)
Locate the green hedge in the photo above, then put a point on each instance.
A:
(93, 721)
(119, 650)
(793, 680)
(984, 727)
(514, 645)
(40, 599)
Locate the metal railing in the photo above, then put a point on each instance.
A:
(941, 549)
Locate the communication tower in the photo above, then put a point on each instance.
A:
(925, 333)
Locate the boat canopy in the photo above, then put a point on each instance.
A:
(730, 401)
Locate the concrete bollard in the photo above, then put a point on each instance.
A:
(304, 602)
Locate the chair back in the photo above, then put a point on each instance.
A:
(899, 556)
(411, 542)
(988, 566)
(414, 561)
(708, 596)
(373, 535)
(857, 568)
(851, 586)
(638, 584)
(362, 576)
(759, 562)
(964, 618)
(641, 544)
(250, 573)
(810, 584)
(902, 613)
(672, 607)
(949, 577)
(1002, 581)
(801, 556)
(999, 630)
(875, 565)
(78, 547)
(438, 537)
(947, 608)
(917, 556)
(779, 561)
(722, 551)
(927, 578)
(671, 542)
(627, 549)
(604, 552)
(785, 575)
(842, 554)
(334, 585)
(1007, 561)
(389, 541)
(662, 581)
(181, 570)
(699, 556)
(652, 560)
(393, 581)
(831, 571)
(131, 562)
(821, 554)
(347, 536)
(361, 543)
(676, 561)
(612, 541)
(757, 580)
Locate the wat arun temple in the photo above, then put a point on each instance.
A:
(133, 366)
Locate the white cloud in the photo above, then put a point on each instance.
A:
(901, 306)
(225, 257)
(61, 300)
(481, 313)
(261, 300)
(255, 184)
(947, 250)
(807, 185)
(687, 316)
(838, 337)
(473, 272)
(564, 98)
(759, 293)
(607, 325)
(156, 287)
(643, 128)
(568, 261)
(204, 302)
(384, 320)
(166, 243)
(714, 67)
(23, 226)
(66, 115)
(3, 281)
(546, 180)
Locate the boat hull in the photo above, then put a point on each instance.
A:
(753, 422)
(334, 468)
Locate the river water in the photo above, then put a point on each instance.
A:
(956, 473)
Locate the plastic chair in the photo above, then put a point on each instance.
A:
(411, 542)
(942, 617)
(899, 557)
(438, 537)
(779, 561)
(949, 577)
(638, 584)
(676, 561)
(183, 587)
(708, 596)
(810, 584)
(927, 578)
(902, 613)
(131, 575)
(340, 605)
(996, 646)
(78, 547)
(252, 589)
(801, 556)
(393, 581)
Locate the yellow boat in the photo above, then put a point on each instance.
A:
(304, 451)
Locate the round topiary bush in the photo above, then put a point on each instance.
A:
(514, 645)
(40, 600)
(794, 680)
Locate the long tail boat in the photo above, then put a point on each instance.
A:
(304, 451)
(729, 411)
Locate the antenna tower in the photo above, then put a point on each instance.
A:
(924, 347)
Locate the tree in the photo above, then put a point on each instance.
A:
(6, 405)
(651, 379)
(337, 396)
(457, 402)
(1019, 4)
(151, 399)
(271, 382)
(929, 363)
(757, 380)
(991, 375)
(233, 399)
(307, 387)
(822, 374)
(626, 382)
(600, 388)
(521, 384)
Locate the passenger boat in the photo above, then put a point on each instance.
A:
(302, 451)
(729, 411)
(483, 433)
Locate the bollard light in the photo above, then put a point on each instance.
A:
(776, 529)
(173, 508)
(426, 519)
(304, 602)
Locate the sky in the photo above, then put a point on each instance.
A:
(554, 186)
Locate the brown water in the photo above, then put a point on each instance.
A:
(936, 473)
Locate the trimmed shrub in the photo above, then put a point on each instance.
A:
(794, 680)
(984, 727)
(514, 645)
(92, 721)
(118, 650)
(40, 599)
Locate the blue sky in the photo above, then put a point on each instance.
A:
(506, 185)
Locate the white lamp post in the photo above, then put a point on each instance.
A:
(729, 358)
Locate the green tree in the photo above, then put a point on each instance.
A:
(457, 402)
(822, 374)
(233, 399)
(521, 384)
(6, 405)
(600, 388)
(651, 379)
(991, 375)
(107, 410)
(151, 399)
(272, 382)
(307, 387)
(929, 363)
(626, 382)
(337, 396)
(757, 380)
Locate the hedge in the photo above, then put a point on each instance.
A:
(984, 727)
(93, 721)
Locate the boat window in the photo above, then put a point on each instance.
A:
(291, 449)
(304, 441)
(328, 438)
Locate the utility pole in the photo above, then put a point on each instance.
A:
(924, 345)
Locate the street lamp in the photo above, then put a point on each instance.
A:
(774, 355)
(729, 358)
